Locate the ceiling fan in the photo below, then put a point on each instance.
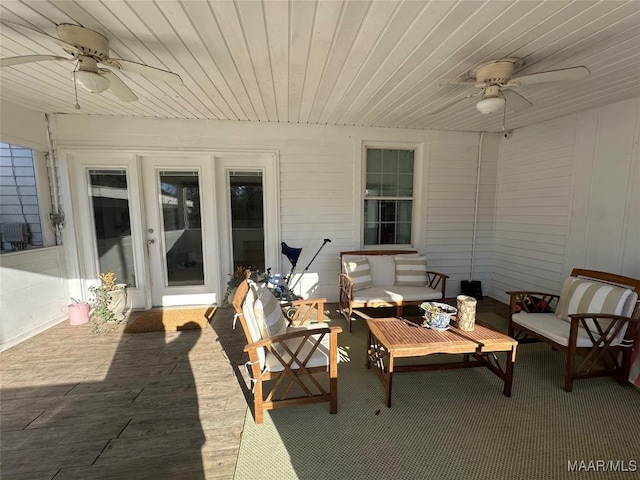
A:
(495, 81)
(89, 50)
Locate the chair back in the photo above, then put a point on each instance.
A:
(246, 295)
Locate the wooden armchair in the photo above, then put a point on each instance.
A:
(291, 362)
(595, 322)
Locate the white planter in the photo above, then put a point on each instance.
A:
(118, 302)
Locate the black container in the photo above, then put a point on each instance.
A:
(473, 288)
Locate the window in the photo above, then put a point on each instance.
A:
(388, 197)
(19, 210)
(109, 194)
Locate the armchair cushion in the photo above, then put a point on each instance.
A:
(584, 296)
(547, 324)
(411, 271)
(320, 357)
(359, 271)
(268, 314)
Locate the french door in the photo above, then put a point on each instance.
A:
(179, 231)
(172, 227)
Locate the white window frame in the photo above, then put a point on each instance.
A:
(418, 210)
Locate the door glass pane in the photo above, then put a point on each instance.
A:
(110, 203)
(180, 194)
(247, 219)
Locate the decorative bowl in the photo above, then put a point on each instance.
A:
(438, 315)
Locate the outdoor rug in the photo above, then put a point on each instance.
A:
(453, 424)
(170, 319)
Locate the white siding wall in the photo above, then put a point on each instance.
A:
(452, 180)
(34, 287)
(34, 293)
(320, 178)
(568, 197)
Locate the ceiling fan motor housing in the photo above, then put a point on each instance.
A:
(88, 42)
(497, 73)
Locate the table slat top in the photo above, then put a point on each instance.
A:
(405, 338)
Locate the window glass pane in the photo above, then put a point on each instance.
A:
(110, 202)
(405, 185)
(390, 161)
(404, 210)
(387, 233)
(403, 234)
(371, 211)
(389, 186)
(247, 220)
(371, 234)
(374, 161)
(182, 228)
(374, 185)
(388, 210)
(19, 215)
(405, 161)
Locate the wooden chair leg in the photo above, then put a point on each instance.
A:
(257, 403)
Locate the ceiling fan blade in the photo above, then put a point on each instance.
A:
(118, 87)
(470, 83)
(30, 31)
(146, 70)
(453, 102)
(515, 101)
(10, 61)
(573, 73)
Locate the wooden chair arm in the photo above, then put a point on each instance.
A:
(268, 342)
(301, 315)
(599, 333)
(345, 285)
(541, 303)
(437, 280)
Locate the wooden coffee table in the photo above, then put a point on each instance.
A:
(392, 338)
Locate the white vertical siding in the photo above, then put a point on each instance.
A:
(34, 293)
(567, 198)
(533, 209)
(452, 181)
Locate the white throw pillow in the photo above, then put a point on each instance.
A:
(359, 272)
(411, 270)
(584, 296)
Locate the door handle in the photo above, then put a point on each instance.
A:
(150, 241)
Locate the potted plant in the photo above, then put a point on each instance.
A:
(236, 278)
(109, 303)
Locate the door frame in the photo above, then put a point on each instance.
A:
(267, 163)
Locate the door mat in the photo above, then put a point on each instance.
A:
(170, 319)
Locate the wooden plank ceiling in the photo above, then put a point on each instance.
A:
(369, 63)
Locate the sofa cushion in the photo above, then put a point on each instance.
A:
(359, 271)
(411, 271)
(382, 267)
(393, 294)
(269, 316)
(584, 296)
(550, 326)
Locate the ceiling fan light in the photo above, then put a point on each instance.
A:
(93, 82)
(490, 105)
